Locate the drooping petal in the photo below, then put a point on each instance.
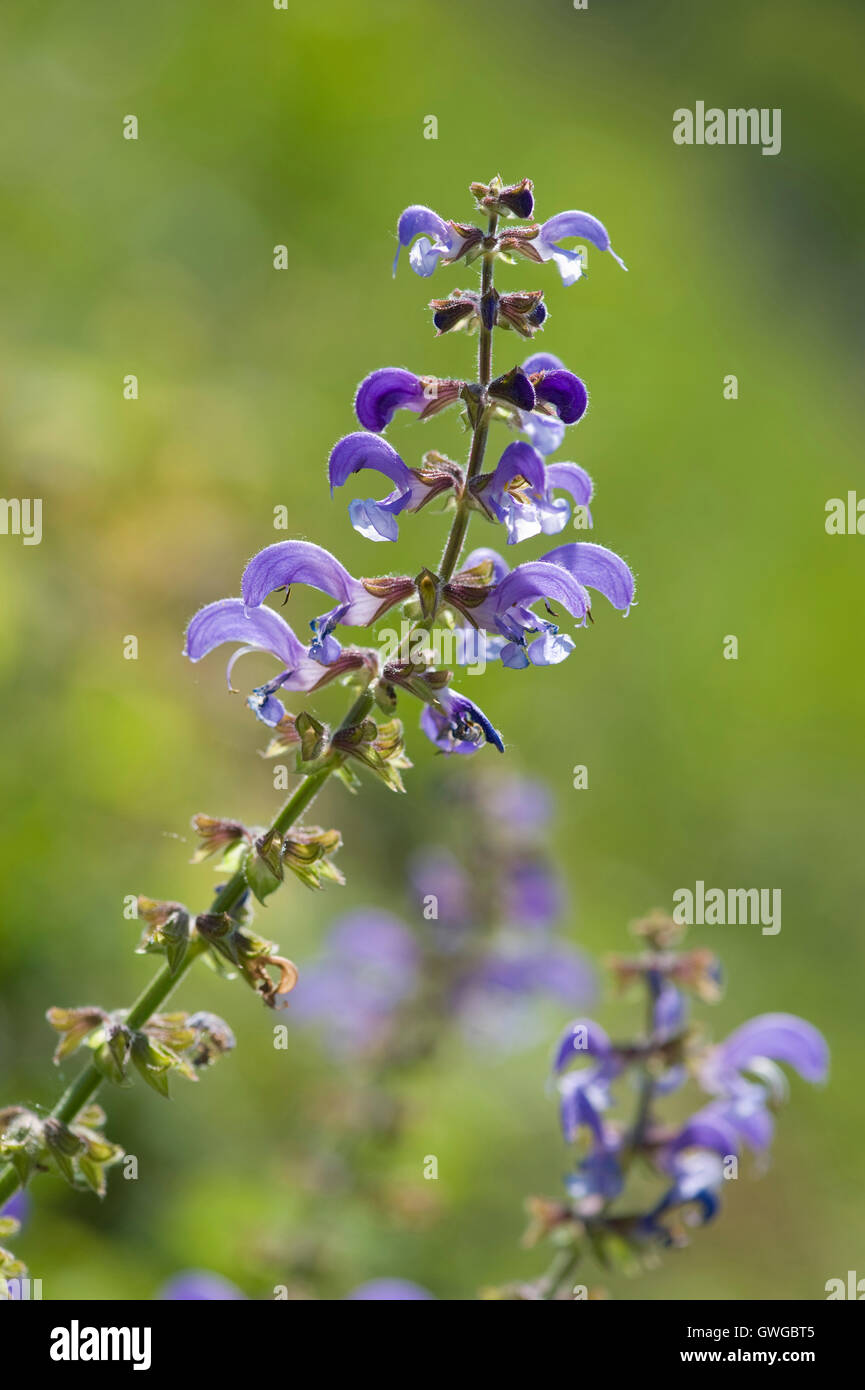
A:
(229, 620)
(781, 1037)
(544, 432)
(570, 477)
(385, 391)
(597, 568)
(551, 648)
(572, 224)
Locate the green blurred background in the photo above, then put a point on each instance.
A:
(154, 257)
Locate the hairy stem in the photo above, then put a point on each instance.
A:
(82, 1090)
(457, 536)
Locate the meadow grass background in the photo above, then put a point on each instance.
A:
(154, 257)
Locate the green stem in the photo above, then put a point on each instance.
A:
(82, 1090)
(560, 1271)
(454, 546)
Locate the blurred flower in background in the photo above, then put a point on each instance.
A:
(199, 1286)
(391, 1291)
(484, 952)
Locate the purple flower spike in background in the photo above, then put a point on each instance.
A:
(387, 992)
(610, 1211)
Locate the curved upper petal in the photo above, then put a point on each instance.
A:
(597, 568)
(295, 562)
(385, 391)
(582, 1038)
(570, 477)
(418, 220)
(573, 224)
(229, 620)
(537, 579)
(565, 392)
(783, 1038)
(360, 450)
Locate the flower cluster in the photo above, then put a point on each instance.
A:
(489, 606)
(689, 1158)
(486, 949)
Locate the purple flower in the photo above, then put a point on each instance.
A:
(369, 966)
(781, 1038)
(698, 1175)
(460, 726)
(598, 1179)
(560, 576)
(583, 1097)
(437, 873)
(561, 399)
(582, 1038)
(520, 806)
(199, 1286)
(584, 1092)
(17, 1207)
(437, 239)
(755, 1048)
(557, 971)
(229, 620)
(532, 893)
(384, 392)
(519, 492)
(669, 1007)
(413, 488)
(360, 602)
(571, 224)
(597, 568)
(390, 1291)
(389, 389)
